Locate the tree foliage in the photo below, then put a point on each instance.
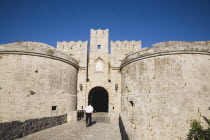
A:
(197, 132)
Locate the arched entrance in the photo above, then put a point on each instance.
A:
(99, 98)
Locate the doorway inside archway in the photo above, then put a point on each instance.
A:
(99, 99)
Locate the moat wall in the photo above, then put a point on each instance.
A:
(164, 88)
(36, 81)
(18, 129)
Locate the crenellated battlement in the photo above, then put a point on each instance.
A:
(72, 45)
(123, 48)
(126, 44)
(75, 49)
(99, 31)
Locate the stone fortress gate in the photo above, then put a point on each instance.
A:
(153, 93)
(99, 78)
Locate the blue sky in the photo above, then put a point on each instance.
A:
(150, 21)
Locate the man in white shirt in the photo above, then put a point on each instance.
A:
(88, 113)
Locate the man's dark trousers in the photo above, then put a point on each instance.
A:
(88, 118)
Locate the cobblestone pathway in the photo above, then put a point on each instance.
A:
(78, 131)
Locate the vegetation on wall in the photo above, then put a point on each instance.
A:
(50, 51)
(109, 65)
(197, 132)
(32, 92)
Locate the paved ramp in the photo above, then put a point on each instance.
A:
(99, 117)
(100, 130)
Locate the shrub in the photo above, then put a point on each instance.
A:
(197, 132)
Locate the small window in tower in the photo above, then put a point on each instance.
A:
(99, 47)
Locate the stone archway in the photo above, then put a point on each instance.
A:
(99, 98)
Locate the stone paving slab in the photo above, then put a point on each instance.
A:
(78, 131)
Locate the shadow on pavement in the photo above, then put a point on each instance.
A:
(93, 122)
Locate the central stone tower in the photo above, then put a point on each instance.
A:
(99, 79)
(98, 62)
(98, 82)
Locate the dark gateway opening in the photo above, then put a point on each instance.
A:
(99, 99)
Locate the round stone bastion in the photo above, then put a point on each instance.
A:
(165, 87)
(36, 81)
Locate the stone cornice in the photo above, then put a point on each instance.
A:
(34, 49)
(155, 51)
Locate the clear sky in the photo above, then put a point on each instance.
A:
(150, 21)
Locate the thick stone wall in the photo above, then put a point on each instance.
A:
(125, 127)
(77, 50)
(35, 81)
(164, 88)
(17, 129)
